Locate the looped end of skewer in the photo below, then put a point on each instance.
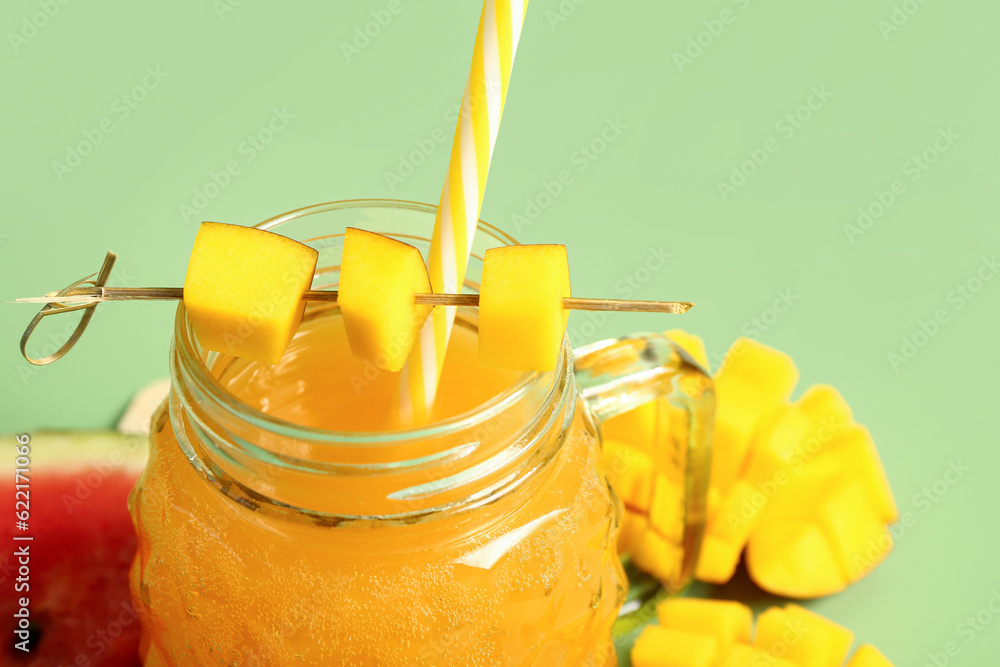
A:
(57, 308)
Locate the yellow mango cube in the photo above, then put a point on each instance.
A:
(728, 531)
(691, 344)
(658, 556)
(751, 383)
(798, 434)
(795, 560)
(738, 513)
(748, 656)
(857, 449)
(802, 637)
(379, 277)
(869, 656)
(630, 471)
(638, 427)
(243, 290)
(666, 512)
(521, 315)
(631, 530)
(713, 503)
(717, 560)
(645, 425)
(664, 647)
(728, 622)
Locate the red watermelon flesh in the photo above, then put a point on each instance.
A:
(80, 612)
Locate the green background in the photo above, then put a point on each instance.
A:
(684, 126)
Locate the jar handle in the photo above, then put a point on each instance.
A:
(617, 375)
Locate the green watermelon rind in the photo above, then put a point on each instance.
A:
(67, 450)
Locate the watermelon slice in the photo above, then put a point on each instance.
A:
(79, 610)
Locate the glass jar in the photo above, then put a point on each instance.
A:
(487, 537)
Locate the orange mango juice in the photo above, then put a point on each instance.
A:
(288, 552)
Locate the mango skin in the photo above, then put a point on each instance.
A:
(521, 315)
(379, 277)
(243, 290)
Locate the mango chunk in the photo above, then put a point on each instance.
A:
(797, 435)
(379, 277)
(521, 315)
(748, 656)
(718, 560)
(658, 556)
(856, 446)
(859, 538)
(820, 532)
(795, 560)
(728, 622)
(666, 513)
(802, 637)
(738, 514)
(645, 425)
(632, 528)
(243, 290)
(869, 656)
(630, 471)
(691, 344)
(729, 529)
(638, 427)
(752, 381)
(664, 647)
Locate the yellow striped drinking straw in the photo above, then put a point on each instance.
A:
(462, 195)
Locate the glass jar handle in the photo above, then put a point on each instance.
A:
(618, 375)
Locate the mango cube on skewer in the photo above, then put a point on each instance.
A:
(243, 290)
(521, 315)
(379, 278)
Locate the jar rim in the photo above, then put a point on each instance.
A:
(189, 361)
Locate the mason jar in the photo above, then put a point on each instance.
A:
(286, 517)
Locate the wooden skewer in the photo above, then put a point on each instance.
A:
(87, 292)
(93, 295)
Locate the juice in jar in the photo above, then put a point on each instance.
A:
(286, 518)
